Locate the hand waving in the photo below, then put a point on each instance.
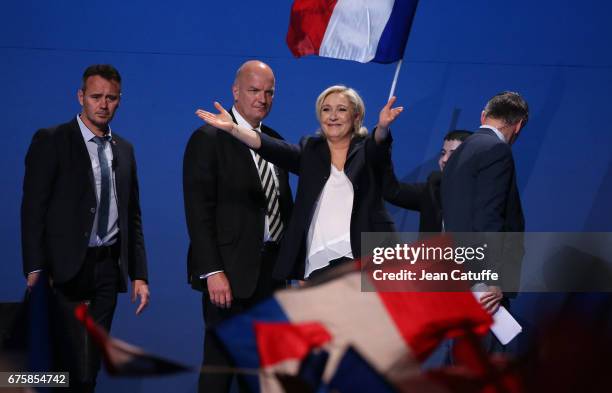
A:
(223, 120)
(388, 114)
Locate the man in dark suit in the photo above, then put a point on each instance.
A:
(425, 197)
(237, 206)
(479, 191)
(80, 215)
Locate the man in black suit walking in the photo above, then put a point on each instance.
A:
(80, 216)
(236, 206)
(479, 191)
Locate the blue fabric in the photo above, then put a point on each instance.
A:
(312, 368)
(238, 336)
(356, 375)
(395, 35)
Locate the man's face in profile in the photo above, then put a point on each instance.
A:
(447, 150)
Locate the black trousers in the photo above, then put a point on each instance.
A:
(214, 352)
(97, 284)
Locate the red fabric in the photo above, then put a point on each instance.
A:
(307, 25)
(121, 358)
(423, 316)
(297, 340)
(99, 335)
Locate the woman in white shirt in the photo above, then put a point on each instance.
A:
(339, 192)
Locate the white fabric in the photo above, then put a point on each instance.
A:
(329, 235)
(356, 318)
(113, 213)
(354, 29)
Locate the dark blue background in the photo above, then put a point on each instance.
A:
(181, 55)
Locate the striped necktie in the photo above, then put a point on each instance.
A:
(272, 198)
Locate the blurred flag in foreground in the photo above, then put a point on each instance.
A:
(121, 358)
(359, 30)
(354, 374)
(392, 331)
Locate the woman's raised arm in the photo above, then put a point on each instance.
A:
(224, 121)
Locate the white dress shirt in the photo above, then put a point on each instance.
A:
(113, 213)
(329, 235)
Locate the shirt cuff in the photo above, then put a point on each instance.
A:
(205, 276)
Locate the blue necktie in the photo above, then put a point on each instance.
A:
(103, 207)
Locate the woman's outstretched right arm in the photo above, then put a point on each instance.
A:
(224, 121)
(282, 154)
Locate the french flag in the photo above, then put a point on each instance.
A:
(359, 30)
(393, 331)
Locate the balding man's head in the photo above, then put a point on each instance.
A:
(253, 91)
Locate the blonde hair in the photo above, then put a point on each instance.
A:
(354, 99)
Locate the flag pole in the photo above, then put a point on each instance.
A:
(397, 69)
(401, 60)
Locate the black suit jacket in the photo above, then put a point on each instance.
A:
(59, 202)
(479, 191)
(225, 208)
(421, 197)
(479, 194)
(311, 160)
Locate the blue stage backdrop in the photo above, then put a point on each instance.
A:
(177, 56)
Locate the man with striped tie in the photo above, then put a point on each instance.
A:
(237, 206)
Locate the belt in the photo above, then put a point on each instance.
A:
(103, 252)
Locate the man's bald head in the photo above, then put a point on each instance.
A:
(253, 91)
(253, 66)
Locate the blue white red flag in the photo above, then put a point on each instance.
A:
(359, 30)
(393, 331)
(123, 359)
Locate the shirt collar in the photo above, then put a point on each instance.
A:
(496, 131)
(86, 132)
(242, 122)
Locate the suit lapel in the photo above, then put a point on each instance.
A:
(356, 142)
(244, 155)
(81, 156)
(118, 167)
(322, 153)
(277, 170)
(353, 164)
